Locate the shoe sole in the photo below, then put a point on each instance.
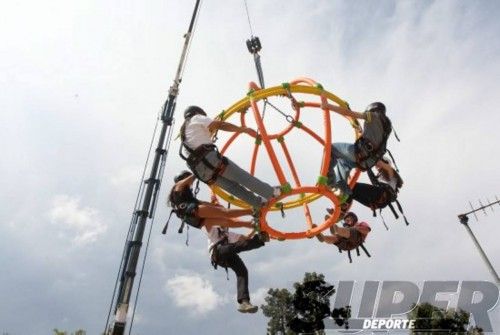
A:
(250, 310)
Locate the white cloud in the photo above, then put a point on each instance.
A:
(82, 223)
(193, 292)
(258, 297)
(127, 176)
(435, 64)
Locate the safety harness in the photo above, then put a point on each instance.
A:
(184, 205)
(198, 155)
(371, 146)
(362, 246)
(214, 254)
(390, 196)
(345, 244)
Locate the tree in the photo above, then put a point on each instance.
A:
(303, 311)
(279, 308)
(430, 319)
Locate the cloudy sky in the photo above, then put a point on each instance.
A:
(81, 86)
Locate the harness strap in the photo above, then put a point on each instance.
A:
(181, 154)
(365, 151)
(383, 221)
(395, 134)
(376, 182)
(373, 179)
(393, 211)
(364, 249)
(181, 228)
(164, 231)
(183, 145)
(199, 155)
(214, 254)
(402, 213)
(393, 160)
(194, 153)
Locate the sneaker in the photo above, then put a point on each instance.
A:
(247, 307)
(345, 206)
(256, 214)
(256, 219)
(343, 211)
(263, 203)
(276, 191)
(264, 237)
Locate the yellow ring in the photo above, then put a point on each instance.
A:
(244, 104)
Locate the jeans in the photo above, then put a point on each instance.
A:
(227, 256)
(236, 181)
(342, 161)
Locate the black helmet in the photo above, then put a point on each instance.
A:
(192, 111)
(352, 215)
(376, 107)
(182, 175)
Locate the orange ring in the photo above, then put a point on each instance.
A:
(265, 138)
(279, 235)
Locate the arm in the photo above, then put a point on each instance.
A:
(186, 182)
(342, 111)
(226, 126)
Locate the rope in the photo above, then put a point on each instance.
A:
(190, 41)
(248, 18)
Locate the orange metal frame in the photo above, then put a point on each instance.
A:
(302, 85)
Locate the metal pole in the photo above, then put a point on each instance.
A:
(152, 184)
(464, 220)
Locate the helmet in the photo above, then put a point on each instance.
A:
(192, 111)
(182, 175)
(352, 215)
(376, 107)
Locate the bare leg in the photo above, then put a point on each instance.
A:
(332, 239)
(340, 231)
(343, 232)
(225, 222)
(212, 211)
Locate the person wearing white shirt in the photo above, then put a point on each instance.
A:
(224, 247)
(211, 167)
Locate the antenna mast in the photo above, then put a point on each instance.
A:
(464, 219)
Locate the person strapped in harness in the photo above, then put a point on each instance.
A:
(209, 166)
(214, 221)
(349, 237)
(224, 247)
(197, 213)
(367, 150)
(383, 191)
